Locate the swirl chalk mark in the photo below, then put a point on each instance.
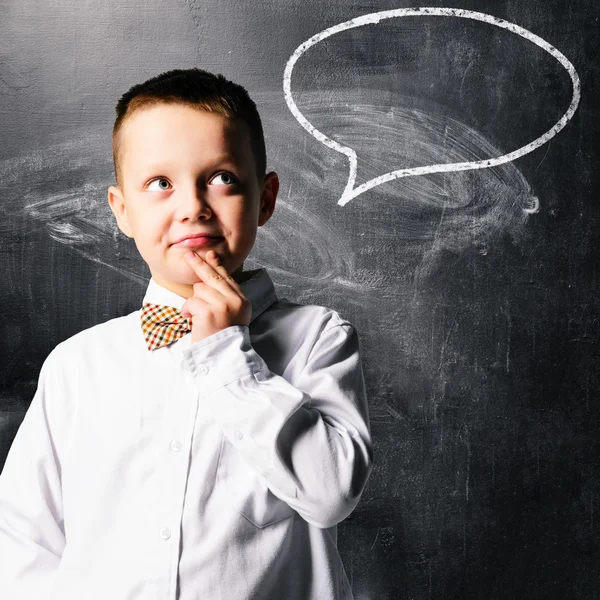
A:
(350, 191)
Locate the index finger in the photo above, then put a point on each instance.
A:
(212, 271)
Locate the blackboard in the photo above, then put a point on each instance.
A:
(475, 292)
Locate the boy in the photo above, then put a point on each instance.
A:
(206, 445)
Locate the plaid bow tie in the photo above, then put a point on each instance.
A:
(162, 325)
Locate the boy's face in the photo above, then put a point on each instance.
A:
(185, 172)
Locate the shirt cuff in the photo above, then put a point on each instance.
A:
(221, 358)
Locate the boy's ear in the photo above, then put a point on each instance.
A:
(117, 205)
(268, 197)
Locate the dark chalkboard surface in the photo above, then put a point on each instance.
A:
(475, 292)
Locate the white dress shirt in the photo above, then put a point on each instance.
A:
(209, 470)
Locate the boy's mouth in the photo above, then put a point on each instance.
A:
(197, 240)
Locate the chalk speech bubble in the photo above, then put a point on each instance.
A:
(350, 191)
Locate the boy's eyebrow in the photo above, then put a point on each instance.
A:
(158, 166)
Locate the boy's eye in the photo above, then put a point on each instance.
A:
(223, 179)
(159, 185)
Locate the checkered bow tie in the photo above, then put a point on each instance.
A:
(162, 325)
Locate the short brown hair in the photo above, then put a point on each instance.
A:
(199, 89)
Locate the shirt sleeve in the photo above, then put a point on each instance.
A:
(309, 441)
(32, 535)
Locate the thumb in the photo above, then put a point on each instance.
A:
(185, 313)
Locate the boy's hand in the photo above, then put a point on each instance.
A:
(218, 301)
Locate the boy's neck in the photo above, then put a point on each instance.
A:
(187, 291)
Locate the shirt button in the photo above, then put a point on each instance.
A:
(238, 434)
(165, 533)
(175, 446)
(202, 369)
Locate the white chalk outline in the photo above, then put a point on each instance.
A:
(351, 192)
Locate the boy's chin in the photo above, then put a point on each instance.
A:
(179, 277)
(184, 274)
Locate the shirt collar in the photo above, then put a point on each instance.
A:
(259, 289)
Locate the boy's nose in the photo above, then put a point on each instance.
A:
(194, 206)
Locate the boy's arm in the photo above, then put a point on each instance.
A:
(31, 516)
(309, 441)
